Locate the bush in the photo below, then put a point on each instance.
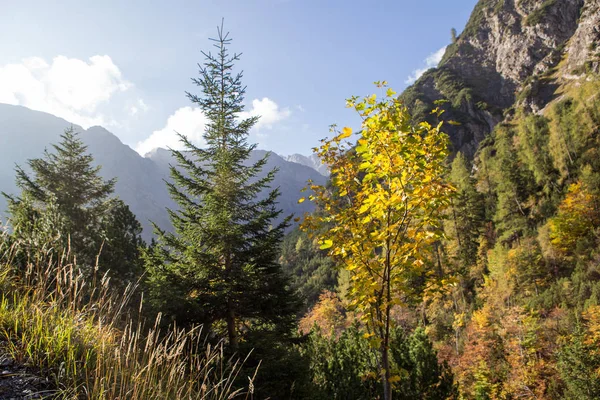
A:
(343, 368)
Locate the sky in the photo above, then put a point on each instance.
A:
(126, 65)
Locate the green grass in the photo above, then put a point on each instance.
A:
(79, 337)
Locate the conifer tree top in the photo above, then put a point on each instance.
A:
(223, 96)
(67, 173)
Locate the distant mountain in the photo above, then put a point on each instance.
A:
(311, 161)
(24, 134)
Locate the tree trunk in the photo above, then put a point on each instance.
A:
(232, 334)
(385, 363)
(456, 225)
(385, 353)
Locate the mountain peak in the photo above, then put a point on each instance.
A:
(508, 52)
(157, 152)
(311, 161)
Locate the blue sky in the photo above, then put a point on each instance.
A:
(126, 64)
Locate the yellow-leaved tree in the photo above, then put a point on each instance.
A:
(382, 214)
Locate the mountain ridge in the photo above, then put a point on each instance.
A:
(140, 180)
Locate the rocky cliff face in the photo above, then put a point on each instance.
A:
(583, 49)
(510, 52)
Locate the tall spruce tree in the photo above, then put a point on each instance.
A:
(65, 186)
(219, 265)
(466, 215)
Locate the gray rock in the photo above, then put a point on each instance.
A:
(508, 54)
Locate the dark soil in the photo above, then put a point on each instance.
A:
(18, 382)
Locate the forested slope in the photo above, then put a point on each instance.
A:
(519, 313)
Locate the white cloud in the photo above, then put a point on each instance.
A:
(186, 120)
(139, 106)
(191, 122)
(431, 61)
(143, 106)
(269, 113)
(66, 87)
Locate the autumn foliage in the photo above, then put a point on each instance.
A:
(383, 213)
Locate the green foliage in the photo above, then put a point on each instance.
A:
(123, 244)
(532, 143)
(510, 183)
(429, 379)
(310, 269)
(517, 335)
(579, 363)
(467, 214)
(442, 87)
(67, 178)
(497, 258)
(67, 205)
(574, 126)
(451, 88)
(283, 370)
(35, 229)
(219, 266)
(344, 368)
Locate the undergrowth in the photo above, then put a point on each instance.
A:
(82, 337)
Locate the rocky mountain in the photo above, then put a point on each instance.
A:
(511, 52)
(311, 161)
(24, 134)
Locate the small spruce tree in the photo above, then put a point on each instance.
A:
(65, 186)
(453, 35)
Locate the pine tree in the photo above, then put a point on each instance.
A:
(453, 35)
(467, 215)
(513, 185)
(122, 244)
(65, 186)
(219, 264)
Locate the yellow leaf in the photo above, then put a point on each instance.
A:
(325, 244)
(346, 133)
(365, 165)
(301, 200)
(361, 149)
